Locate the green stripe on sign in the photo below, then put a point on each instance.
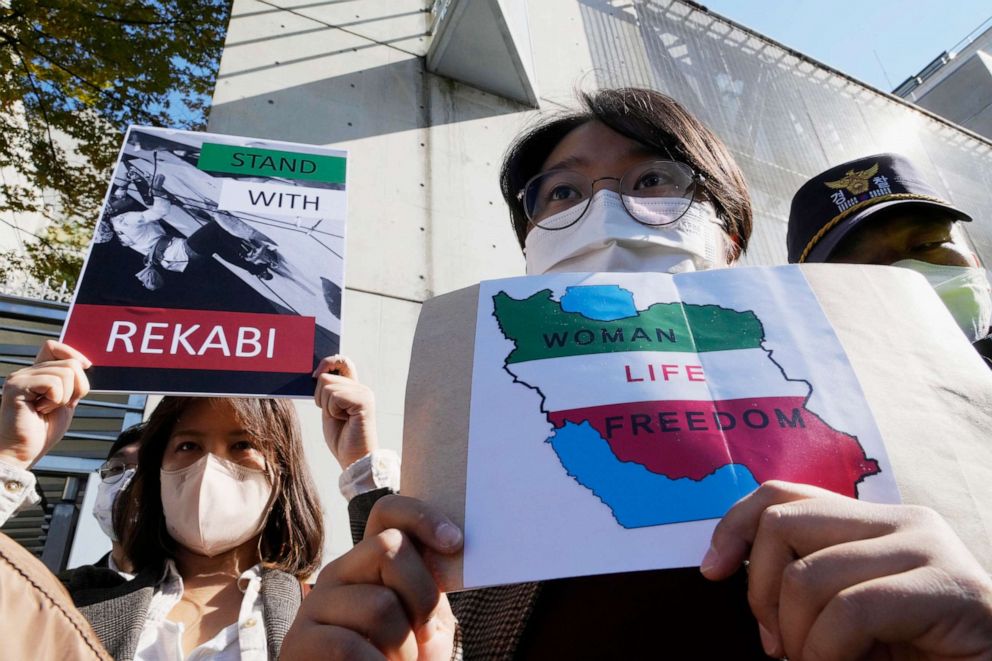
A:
(540, 328)
(271, 163)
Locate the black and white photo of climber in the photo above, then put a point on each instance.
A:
(216, 266)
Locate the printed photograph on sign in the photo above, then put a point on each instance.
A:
(645, 405)
(216, 266)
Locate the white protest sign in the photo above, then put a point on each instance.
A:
(613, 418)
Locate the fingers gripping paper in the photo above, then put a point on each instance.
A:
(579, 424)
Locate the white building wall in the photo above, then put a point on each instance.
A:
(981, 43)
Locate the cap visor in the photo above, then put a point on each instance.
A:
(826, 245)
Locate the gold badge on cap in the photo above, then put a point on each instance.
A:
(855, 181)
(861, 184)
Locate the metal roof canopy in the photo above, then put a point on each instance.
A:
(485, 44)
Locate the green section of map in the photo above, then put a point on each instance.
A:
(541, 329)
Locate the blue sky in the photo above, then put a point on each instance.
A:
(853, 36)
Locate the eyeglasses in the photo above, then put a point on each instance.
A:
(654, 193)
(112, 471)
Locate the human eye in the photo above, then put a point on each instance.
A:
(931, 245)
(108, 471)
(242, 446)
(654, 178)
(563, 192)
(930, 240)
(186, 446)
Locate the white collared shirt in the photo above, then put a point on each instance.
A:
(244, 640)
(379, 468)
(16, 490)
(113, 565)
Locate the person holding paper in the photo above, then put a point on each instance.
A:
(220, 520)
(635, 183)
(880, 210)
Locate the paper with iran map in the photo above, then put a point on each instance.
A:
(613, 418)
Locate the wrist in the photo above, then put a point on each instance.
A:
(13, 458)
(348, 459)
(372, 471)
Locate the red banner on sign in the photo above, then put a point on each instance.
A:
(192, 339)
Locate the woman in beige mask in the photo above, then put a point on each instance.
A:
(221, 520)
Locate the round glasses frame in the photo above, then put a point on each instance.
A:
(112, 471)
(695, 179)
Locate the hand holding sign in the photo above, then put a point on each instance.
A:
(347, 410)
(833, 577)
(39, 401)
(381, 598)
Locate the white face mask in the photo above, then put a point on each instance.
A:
(965, 290)
(607, 239)
(103, 506)
(215, 504)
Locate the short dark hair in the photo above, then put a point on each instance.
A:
(130, 435)
(652, 119)
(293, 536)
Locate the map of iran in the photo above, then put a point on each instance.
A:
(672, 412)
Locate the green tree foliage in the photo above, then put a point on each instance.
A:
(73, 75)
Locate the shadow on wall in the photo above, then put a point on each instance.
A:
(377, 101)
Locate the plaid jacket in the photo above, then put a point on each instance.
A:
(117, 608)
(491, 621)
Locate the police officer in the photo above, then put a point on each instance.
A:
(880, 210)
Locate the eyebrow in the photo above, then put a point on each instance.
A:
(577, 161)
(199, 434)
(567, 162)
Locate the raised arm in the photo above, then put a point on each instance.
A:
(35, 410)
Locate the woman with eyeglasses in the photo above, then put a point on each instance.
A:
(115, 474)
(220, 521)
(634, 183)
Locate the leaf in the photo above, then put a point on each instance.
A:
(73, 75)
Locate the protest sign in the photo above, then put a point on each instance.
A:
(611, 419)
(216, 267)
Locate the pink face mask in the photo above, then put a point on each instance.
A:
(215, 505)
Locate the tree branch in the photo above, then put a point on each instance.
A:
(100, 90)
(41, 105)
(115, 19)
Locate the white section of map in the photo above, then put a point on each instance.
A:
(573, 382)
(526, 519)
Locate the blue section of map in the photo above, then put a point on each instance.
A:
(636, 496)
(599, 302)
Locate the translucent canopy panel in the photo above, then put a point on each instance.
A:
(784, 116)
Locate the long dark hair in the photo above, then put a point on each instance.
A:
(652, 119)
(293, 537)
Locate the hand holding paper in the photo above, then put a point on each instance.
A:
(347, 410)
(381, 597)
(39, 401)
(833, 577)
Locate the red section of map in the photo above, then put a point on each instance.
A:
(776, 438)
